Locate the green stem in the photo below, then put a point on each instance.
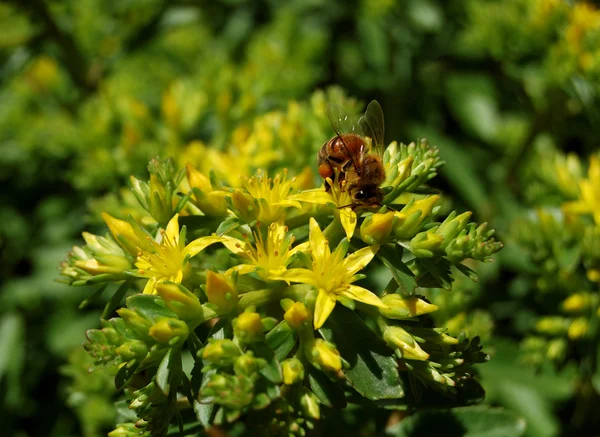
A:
(334, 232)
(299, 220)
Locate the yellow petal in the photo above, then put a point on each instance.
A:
(348, 219)
(287, 202)
(303, 276)
(318, 196)
(318, 244)
(299, 248)
(359, 259)
(242, 269)
(198, 245)
(149, 288)
(362, 295)
(323, 307)
(173, 228)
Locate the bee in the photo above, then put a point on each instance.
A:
(357, 162)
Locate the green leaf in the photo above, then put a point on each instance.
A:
(229, 224)
(12, 354)
(473, 101)
(281, 339)
(272, 371)
(93, 297)
(115, 300)
(149, 306)
(480, 421)
(169, 371)
(373, 370)
(392, 259)
(125, 373)
(328, 392)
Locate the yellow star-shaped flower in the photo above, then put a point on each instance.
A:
(333, 274)
(589, 192)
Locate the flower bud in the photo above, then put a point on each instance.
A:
(245, 206)
(552, 325)
(111, 265)
(126, 235)
(578, 328)
(211, 202)
(404, 170)
(297, 315)
(426, 244)
(557, 349)
(399, 308)
(132, 349)
(197, 179)
(135, 321)
(323, 355)
(248, 364)
(180, 300)
(396, 337)
(293, 371)
(248, 327)
(376, 228)
(168, 329)
(410, 219)
(220, 352)
(452, 226)
(577, 303)
(221, 293)
(310, 405)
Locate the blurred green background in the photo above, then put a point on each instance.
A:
(90, 90)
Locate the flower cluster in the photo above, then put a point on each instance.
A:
(271, 286)
(562, 238)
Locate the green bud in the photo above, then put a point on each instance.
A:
(135, 321)
(220, 352)
(310, 405)
(221, 292)
(323, 355)
(426, 244)
(552, 325)
(248, 327)
(132, 349)
(398, 338)
(557, 349)
(578, 328)
(376, 228)
(399, 308)
(248, 364)
(293, 371)
(410, 219)
(180, 300)
(168, 329)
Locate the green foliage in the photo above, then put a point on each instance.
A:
(506, 89)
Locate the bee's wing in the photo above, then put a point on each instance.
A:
(371, 125)
(341, 122)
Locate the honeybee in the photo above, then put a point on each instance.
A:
(359, 168)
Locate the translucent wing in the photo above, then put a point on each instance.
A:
(371, 125)
(341, 122)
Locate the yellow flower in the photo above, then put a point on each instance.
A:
(589, 190)
(168, 258)
(271, 194)
(270, 258)
(210, 201)
(323, 355)
(337, 196)
(333, 275)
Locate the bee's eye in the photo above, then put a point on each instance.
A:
(362, 194)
